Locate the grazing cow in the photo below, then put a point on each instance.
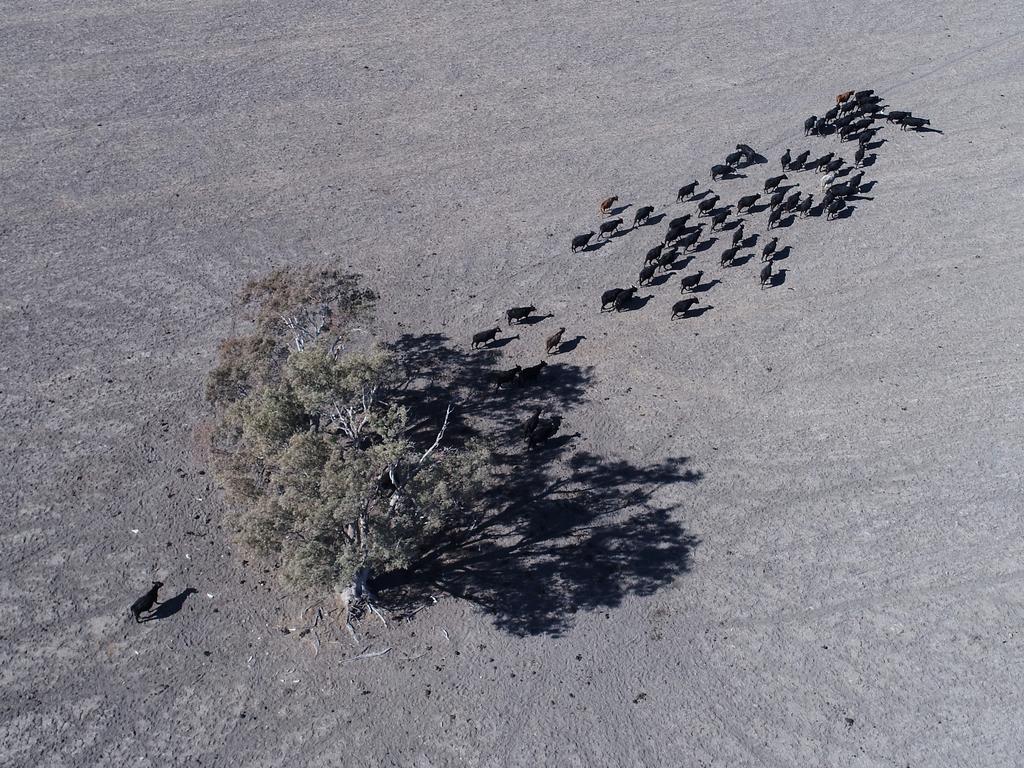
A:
(531, 423)
(580, 241)
(913, 122)
(791, 202)
(728, 255)
(805, 205)
(718, 171)
(689, 282)
(844, 96)
(609, 227)
(607, 203)
(737, 235)
(706, 206)
(609, 296)
(747, 201)
(733, 158)
(554, 341)
(687, 191)
(642, 215)
(681, 307)
(720, 218)
(485, 337)
(798, 163)
(623, 299)
(518, 314)
(776, 200)
(503, 378)
(774, 217)
(769, 249)
(529, 374)
(146, 602)
(766, 274)
(773, 182)
(647, 273)
(543, 432)
(809, 125)
(690, 240)
(895, 115)
(835, 207)
(786, 159)
(654, 254)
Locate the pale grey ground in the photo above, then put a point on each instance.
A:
(858, 428)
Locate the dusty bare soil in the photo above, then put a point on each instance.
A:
(784, 532)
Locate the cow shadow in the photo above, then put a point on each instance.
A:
(619, 209)
(652, 220)
(777, 278)
(782, 253)
(499, 343)
(570, 345)
(739, 261)
(703, 246)
(170, 607)
(533, 319)
(697, 311)
(705, 287)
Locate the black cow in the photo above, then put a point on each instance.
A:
(680, 308)
(580, 241)
(608, 227)
(146, 602)
(773, 182)
(747, 201)
(686, 191)
(642, 215)
(485, 337)
(689, 282)
(518, 314)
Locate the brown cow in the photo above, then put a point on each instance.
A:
(843, 96)
(607, 203)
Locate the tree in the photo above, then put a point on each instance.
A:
(316, 447)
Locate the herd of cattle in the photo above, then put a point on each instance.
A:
(856, 119)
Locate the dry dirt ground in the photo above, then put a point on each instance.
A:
(805, 540)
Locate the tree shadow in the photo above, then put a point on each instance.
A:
(565, 530)
(168, 608)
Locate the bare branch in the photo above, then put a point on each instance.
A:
(440, 435)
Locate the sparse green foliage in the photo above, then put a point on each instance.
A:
(314, 445)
